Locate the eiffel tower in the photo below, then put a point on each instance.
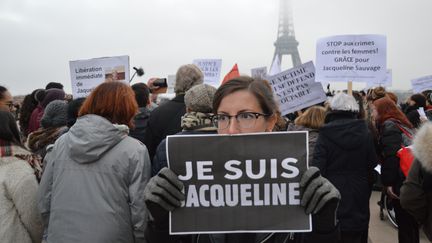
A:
(286, 43)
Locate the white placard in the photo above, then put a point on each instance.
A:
(260, 72)
(296, 88)
(171, 84)
(359, 58)
(421, 84)
(87, 74)
(211, 69)
(386, 82)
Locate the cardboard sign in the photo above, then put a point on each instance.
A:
(87, 74)
(211, 69)
(239, 183)
(421, 84)
(259, 73)
(385, 82)
(344, 58)
(296, 88)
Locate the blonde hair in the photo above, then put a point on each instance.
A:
(313, 117)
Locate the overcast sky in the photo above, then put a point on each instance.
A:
(40, 37)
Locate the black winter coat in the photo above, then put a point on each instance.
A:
(390, 138)
(346, 156)
(141, 122)
(155, 236)
(164, 120)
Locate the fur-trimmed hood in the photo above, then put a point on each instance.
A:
(423, 146)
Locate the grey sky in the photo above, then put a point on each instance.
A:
(40, 37)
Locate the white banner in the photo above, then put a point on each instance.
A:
(171, 84)
(360, 58)
(385, 82)
(211, 69)
(87, 74)
(296, 88)
(421, 84)
(260, 73)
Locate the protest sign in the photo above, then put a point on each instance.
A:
(211, 69)
(344, 58)
(260, 73)
(239, 183)
(87, 74)
(385, 82)
(171, 83)
(421, 84)
(296, 88)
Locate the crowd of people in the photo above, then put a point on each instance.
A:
(95, 169)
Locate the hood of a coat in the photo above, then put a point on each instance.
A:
(91, 136)
(348, 134)
(423, 146)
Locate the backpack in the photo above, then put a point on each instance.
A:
(405, 152)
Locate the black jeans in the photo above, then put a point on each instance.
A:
(351, 236)
(408, 229)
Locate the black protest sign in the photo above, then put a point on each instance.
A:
(239, 183)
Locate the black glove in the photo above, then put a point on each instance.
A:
(321, 198)
(163, 193)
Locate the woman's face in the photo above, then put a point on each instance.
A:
(244, 102)
(6, 104)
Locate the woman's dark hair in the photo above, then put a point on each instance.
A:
(419, 99)
(9, 130)
(54, 85)
(73, 109)
(427, 94)
(142, 94)
(2, 91)
(259, 88)
(358, 97)
(27, 107)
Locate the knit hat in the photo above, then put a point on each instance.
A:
(187, 76)
(52, 94)
(200, 98)
(55, 114)
(344, 102)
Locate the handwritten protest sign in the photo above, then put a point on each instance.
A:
(239, 183)
(296, 88)
(260, 72)
(346, 58)
(211, 69)
(421, 84)
(385, 82)
(87, 74)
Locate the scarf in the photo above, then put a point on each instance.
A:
(41, 138)
(197, 121)
(8, 149)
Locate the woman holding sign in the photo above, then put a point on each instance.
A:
(244, 105)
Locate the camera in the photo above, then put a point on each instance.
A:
(161, 82)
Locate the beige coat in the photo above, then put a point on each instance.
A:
(20, 220)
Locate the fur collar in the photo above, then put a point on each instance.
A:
(423, 146)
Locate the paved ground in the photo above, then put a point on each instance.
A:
(383, 231)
